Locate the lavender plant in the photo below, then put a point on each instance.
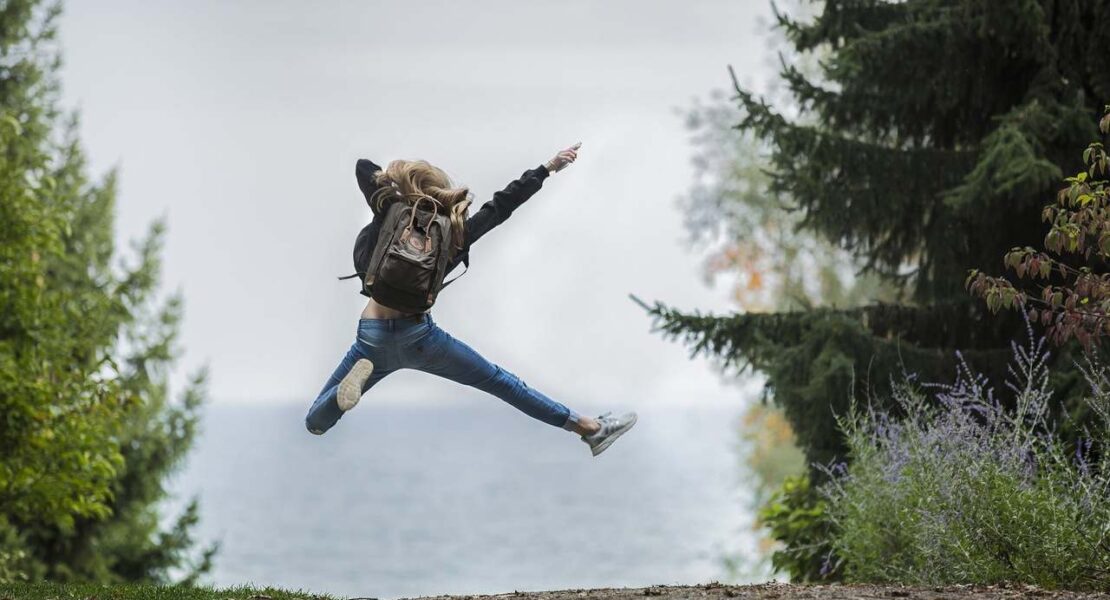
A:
(970, 485)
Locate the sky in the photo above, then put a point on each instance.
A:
(239, 123)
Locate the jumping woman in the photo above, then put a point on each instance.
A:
(419, 232)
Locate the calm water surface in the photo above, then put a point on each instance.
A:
(469, 498)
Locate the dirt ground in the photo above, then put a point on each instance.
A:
(784, 591)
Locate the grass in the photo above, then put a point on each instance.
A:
(59, 591)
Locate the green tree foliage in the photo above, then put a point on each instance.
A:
(755, 242)
(88, 434)
(754, 237)
(923, 149)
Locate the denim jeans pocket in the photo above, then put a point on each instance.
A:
(373, 335)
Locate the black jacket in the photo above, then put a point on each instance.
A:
(490, 215)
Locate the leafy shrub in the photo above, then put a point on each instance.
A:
(797, 517)
(13, 555)
(963, 490)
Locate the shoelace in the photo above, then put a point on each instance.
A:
(607, 422)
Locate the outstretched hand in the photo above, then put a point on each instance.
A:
(563, 158)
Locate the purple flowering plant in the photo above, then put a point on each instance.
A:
(966, 488)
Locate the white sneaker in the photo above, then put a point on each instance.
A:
(611, 429)
(350, 388)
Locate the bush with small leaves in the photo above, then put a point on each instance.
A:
(1068, 284)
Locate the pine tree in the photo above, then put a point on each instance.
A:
(89, 434)
(926, 147)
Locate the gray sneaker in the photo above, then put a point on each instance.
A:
(350, 388)
(611, 429)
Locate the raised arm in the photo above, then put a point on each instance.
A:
(504, 202)
(364, 174)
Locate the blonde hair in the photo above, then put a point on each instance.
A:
(410, 180)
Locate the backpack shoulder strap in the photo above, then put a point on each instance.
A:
(466, 267)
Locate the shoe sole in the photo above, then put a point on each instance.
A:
(350, 388)
(616, 434)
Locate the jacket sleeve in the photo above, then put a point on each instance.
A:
(364, 174)
(504, 202)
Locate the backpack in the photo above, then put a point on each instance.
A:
(406, 267)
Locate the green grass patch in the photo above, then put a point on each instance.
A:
(59, 591)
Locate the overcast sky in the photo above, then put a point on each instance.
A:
(240, 122)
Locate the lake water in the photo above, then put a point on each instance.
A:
(472, 497)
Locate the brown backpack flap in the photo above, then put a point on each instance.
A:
(410, 258)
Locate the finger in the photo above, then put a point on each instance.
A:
(576, 146)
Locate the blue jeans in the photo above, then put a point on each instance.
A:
(418, 343)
